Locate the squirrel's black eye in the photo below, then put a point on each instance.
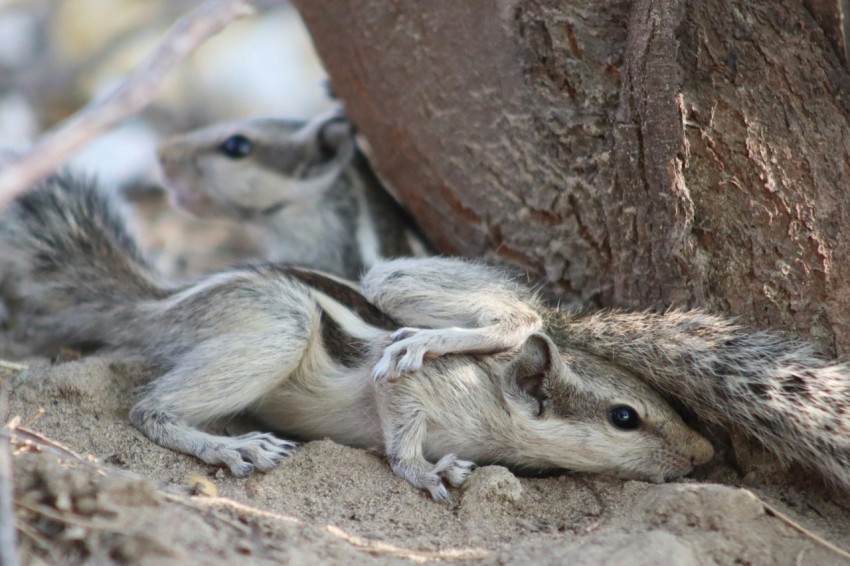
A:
(624, 417)
(236, 146)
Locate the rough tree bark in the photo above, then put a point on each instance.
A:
(637, 153)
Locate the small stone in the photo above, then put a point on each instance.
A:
(199, 485)
(488, 489)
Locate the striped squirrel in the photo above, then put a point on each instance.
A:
(535, 407)
(296, 348)
(305, 186)
(777, 390)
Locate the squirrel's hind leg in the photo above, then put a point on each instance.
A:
(221, 377)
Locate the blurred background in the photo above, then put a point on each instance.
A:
(57, 55)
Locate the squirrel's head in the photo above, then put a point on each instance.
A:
(251, 169)
(586, 414)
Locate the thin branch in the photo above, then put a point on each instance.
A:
(373, 547)
(804, 531)
(20, 437)
(56, 146)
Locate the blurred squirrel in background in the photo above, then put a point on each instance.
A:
(305, 186)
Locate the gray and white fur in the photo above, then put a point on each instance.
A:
(304, 185)
(777, 390)
(298, 349)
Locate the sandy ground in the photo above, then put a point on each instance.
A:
(105, 494)
(91, 489)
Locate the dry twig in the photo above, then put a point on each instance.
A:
(22, 437)
(373, 547)
(773, 511)
(12, 366)
(54, 148)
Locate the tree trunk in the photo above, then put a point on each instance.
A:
(634, 154)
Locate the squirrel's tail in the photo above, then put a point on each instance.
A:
(778, 390)
(79, 276)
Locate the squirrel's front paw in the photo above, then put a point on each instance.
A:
(252, 451)
(433, 477)
(404, 355)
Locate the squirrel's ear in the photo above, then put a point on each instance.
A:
(533, 364)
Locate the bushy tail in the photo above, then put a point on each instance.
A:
(789, 398)
(79, 275)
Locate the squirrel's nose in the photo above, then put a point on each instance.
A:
(703, 451)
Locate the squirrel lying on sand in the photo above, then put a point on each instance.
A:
(438, 362)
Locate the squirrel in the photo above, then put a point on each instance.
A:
(305, 185)
(314, 356)
(777, 390)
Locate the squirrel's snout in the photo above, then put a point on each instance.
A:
(702, 451)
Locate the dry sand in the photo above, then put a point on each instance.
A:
(122, 499)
